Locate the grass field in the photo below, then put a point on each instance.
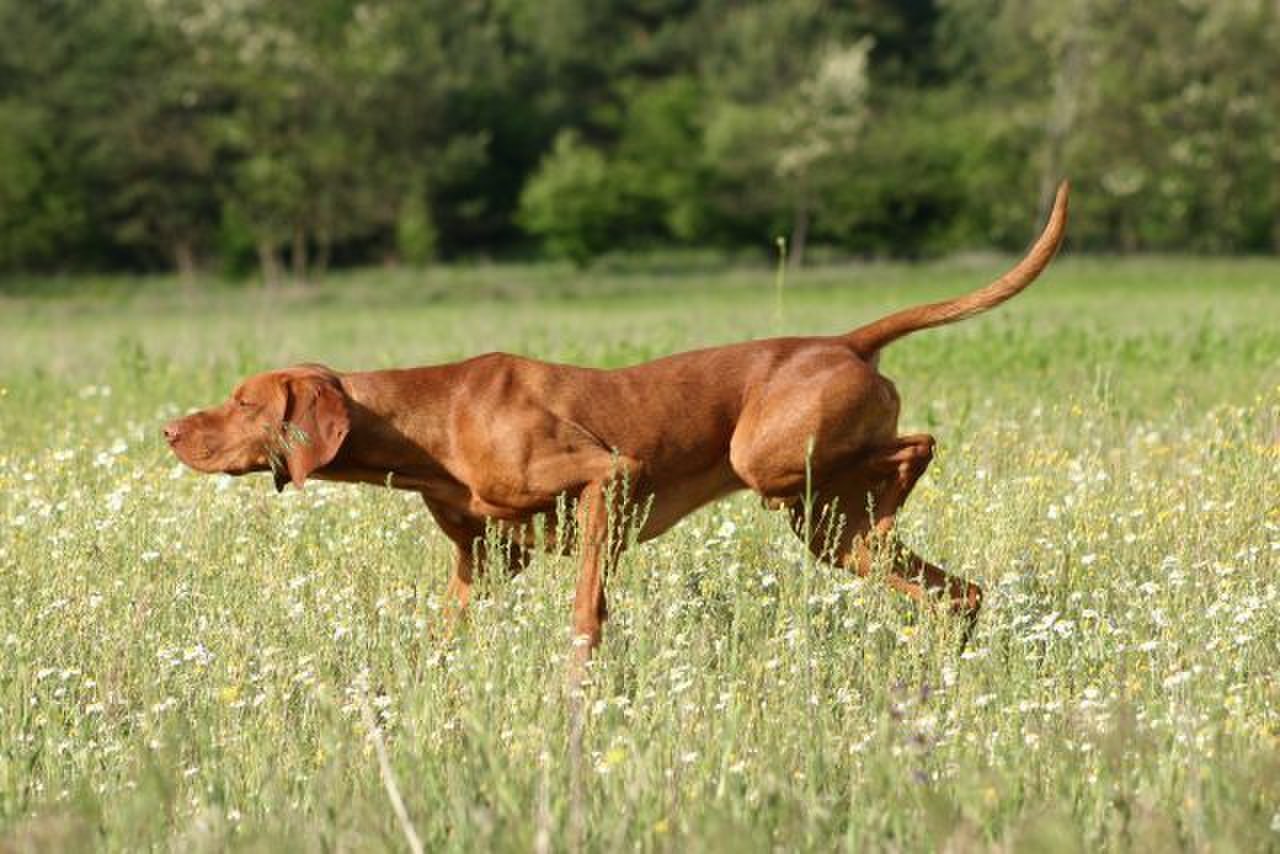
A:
(186, 657)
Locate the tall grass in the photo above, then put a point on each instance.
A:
(187, 657)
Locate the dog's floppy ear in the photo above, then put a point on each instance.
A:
(316, 422)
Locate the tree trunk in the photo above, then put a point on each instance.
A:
(1068, 79)
(1129, 241)
(1275, 212)
(184, 259)
(799, 235)
(269, 262)
(324, 245)
(298, 254)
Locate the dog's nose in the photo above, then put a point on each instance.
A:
(171, 432)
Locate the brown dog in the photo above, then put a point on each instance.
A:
(502, 438)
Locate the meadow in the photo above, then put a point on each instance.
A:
(188, 659)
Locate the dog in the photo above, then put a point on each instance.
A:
(807, 423)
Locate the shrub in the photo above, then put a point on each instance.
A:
(575, 203)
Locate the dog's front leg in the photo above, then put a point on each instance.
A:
(457, 594)
(589, 607)
(464, 536)
(589, 614)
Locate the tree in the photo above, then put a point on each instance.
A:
(1158, 112)
(140, 134)
(57, 66)
(162, 144)
(821, 124)
(573, 203)
(416, 235)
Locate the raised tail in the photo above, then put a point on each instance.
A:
(868, 340)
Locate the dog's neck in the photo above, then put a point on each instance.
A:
(386, 408)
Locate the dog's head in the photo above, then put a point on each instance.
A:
(290, 422)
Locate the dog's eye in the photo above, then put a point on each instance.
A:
(243, 404)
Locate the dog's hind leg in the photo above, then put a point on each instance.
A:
(850, 517)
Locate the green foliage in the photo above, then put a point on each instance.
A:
(575, 201)
(1161, 114)
(415, 230)
(925, 196)
(34, 216)
(658, 146)
(133, 131)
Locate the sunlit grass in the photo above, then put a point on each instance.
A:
(184, 654)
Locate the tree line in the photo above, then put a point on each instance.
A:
(236, 135)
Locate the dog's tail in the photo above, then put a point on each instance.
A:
(868, 340)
